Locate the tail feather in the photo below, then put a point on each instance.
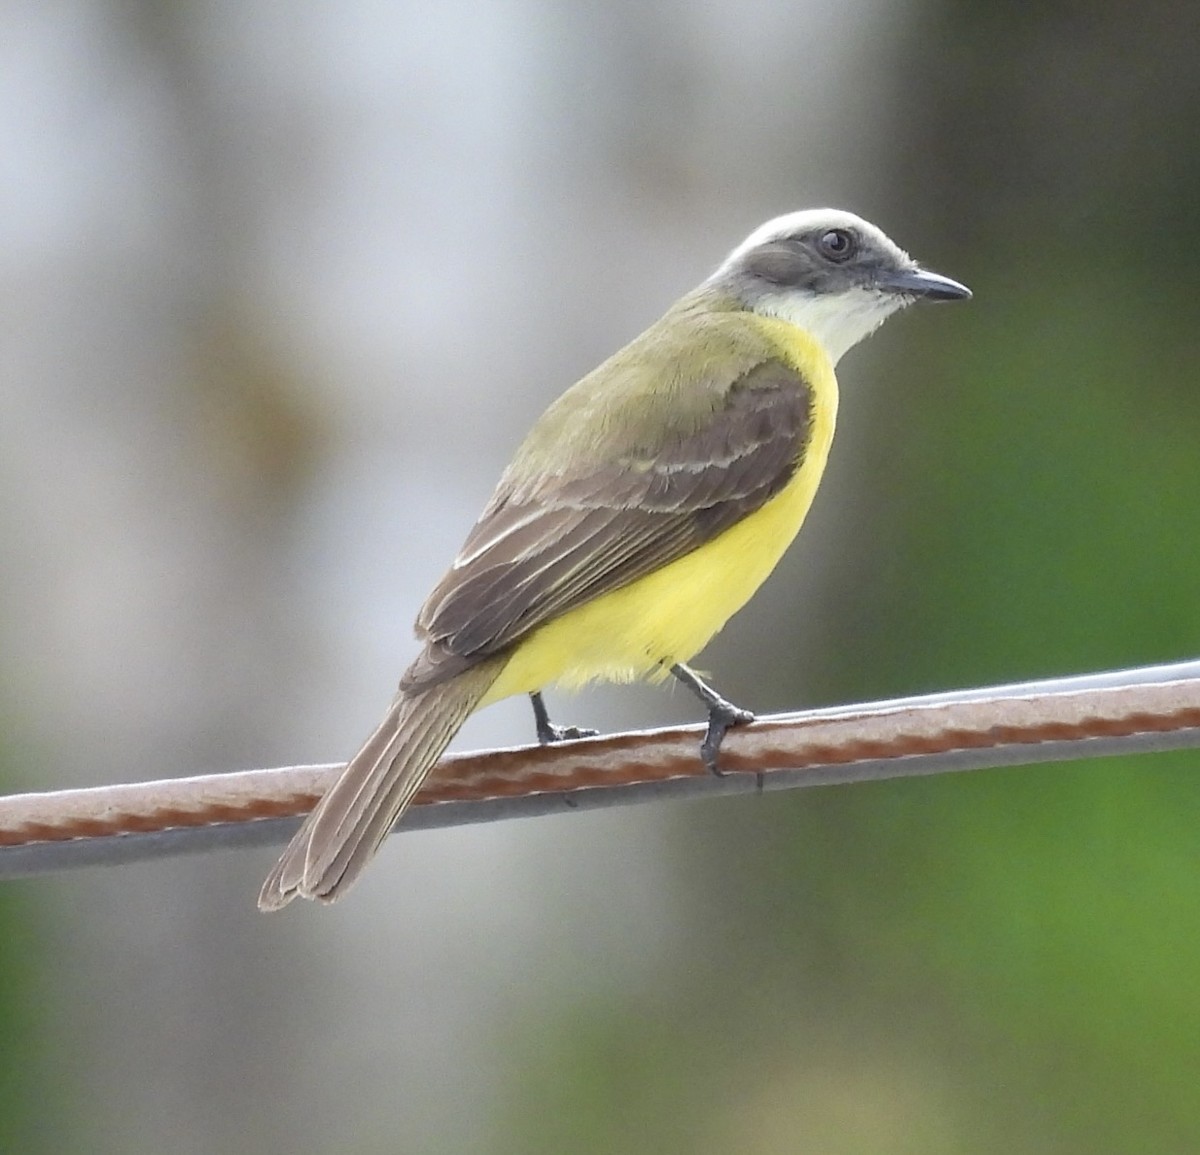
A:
(346, 828)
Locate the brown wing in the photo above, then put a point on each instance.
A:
(540, 551)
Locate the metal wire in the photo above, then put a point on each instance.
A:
(1120, 712)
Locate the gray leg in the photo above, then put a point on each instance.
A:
(721, 714)
(547, 731)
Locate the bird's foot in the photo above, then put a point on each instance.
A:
(548, 732)
(722, 715)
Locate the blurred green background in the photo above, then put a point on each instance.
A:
(283, 287)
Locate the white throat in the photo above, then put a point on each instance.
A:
(837, 320)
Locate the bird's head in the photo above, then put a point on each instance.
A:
(830, 273)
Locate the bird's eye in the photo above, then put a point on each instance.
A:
(836, 244)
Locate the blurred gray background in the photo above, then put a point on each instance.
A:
(282, 286)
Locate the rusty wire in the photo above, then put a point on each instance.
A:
(1131, 711)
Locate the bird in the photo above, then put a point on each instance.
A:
(644, 508)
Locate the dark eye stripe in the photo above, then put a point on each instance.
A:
(779, 263)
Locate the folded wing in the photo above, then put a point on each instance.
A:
(544, 548)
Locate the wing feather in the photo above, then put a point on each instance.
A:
(546, 546)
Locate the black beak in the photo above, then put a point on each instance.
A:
(916, 282)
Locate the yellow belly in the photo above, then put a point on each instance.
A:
(670, 615)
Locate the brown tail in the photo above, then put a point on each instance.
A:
(341, 835)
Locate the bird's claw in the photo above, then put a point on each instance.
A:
(721, 717)
(551, 733)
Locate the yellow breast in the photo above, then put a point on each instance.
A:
(670, 615)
